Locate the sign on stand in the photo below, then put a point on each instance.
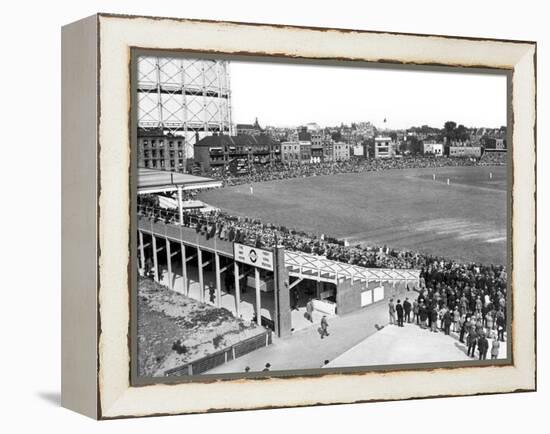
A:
(254, 256)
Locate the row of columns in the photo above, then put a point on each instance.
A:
(201, 265)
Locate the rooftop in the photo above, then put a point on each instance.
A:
(224, 140)
(254, 126)
(156, 181)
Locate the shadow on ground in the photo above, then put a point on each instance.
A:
(52, 398)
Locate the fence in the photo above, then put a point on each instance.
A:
(219, 358)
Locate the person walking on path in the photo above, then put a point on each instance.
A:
(423, 315)
(399, 310)
(407, 308)
(482, 346)
(391, 308)
(324, 327)
(416, 312)
(309, 310)
(447, 320)
(472, 341)
(495, 348)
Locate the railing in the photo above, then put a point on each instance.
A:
(211, 361)
(164, 222)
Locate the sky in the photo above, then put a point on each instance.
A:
(291, 94)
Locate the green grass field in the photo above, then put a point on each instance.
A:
(465, 220)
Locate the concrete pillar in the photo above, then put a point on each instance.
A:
(201, 277)
(141, 252)
(185, 287)
(218, 281)
(283, 317)
(180, 204)
(237, 290)
(155, 259)
(258, 296)
(169, 264)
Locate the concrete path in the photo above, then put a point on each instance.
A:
(409, 344)
(304, 349)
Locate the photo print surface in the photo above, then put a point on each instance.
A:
(293, 217)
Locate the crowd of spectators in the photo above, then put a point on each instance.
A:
(246, 230)
(254, 232)
(493, 159)
(467, 299)
(278, 171)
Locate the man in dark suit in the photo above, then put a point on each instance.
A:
(482, 346)
(399, 310)
(407, 308)
(447, 322)
(472, 342)
(501, 325)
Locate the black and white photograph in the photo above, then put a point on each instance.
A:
(275, 216)
(296, 217)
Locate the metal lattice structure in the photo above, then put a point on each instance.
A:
(303, 265)
(184, 97)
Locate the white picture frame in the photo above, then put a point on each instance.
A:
(96, 214)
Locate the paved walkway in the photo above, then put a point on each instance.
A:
(304, 349)
(409, 344)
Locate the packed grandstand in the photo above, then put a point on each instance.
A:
(279, 171)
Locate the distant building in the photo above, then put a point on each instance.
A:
(220, 151)
(249, 129)
(278, 133)
(465, 151)
(358, 150)
(303, 134)
(431, 148)
(494, 143)
(305, 151)
(383, 147)
(275, 151)
(340, 151)
(317, 138)
(317, 154)
(328, 153)
(290, 152)
(161, 151)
